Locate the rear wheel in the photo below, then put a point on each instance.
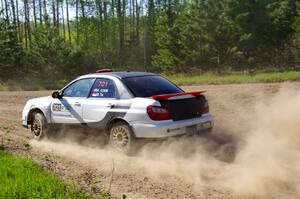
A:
(121, 137)
(39, 126)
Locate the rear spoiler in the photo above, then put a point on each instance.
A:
(167, 96)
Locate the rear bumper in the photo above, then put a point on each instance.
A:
(172, 128)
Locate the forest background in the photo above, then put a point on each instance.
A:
(53, 41)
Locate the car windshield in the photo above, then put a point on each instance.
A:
(147, 86)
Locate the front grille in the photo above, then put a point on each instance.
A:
(182, 109)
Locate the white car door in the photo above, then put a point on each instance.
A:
(69, 109)
(101, 105)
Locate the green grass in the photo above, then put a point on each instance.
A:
(182, 80)
(4, 126)
(22, 178)
(235, 78)
(31, 86)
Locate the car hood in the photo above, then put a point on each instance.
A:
(39, 102)
(39, 99)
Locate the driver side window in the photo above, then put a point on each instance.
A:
(80, 88)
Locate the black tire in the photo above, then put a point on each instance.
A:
(121, 137)
(39, 126)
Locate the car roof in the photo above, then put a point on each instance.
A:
(120, 75)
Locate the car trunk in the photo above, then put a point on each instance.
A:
(187, 108)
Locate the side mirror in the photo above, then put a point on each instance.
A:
(56, 94)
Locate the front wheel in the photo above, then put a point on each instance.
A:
(121, 137)
(39, 126)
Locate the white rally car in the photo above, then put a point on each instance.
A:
(125, 105)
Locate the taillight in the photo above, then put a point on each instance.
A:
(205, 108)
(158, 113)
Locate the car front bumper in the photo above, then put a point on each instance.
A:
(24, 121)
(172, 128)
(25, 125)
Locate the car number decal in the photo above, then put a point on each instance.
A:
(103, 84)
(56, 107)
(60, 107)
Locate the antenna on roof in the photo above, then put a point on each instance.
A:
(104, 70)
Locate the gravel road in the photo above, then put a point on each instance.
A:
(253, 152)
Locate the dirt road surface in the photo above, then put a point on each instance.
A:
(253, 152)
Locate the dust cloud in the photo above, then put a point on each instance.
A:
(268, 163)
(260, 161)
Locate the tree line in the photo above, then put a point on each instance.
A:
(59, 39)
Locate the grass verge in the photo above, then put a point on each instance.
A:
(22, 178)
(183, 80)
